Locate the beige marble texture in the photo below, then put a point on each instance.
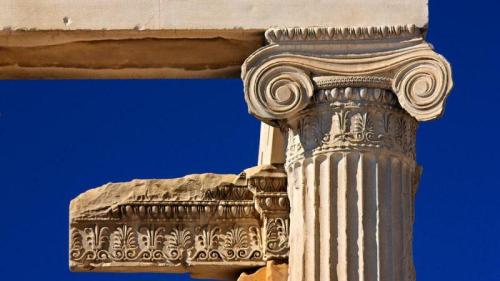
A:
(207, 14)
(271, 145)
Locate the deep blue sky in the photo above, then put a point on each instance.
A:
(60, 138)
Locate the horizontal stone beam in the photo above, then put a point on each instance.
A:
(207, 14)
(125, 53)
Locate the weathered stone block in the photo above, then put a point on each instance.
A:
(213, 226)
(207, 14)
(272, 272)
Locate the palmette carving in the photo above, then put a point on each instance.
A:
(151, 240)
(277, 232)
(90, 244)
(125, 243)
(240, 243)
(208, 244)
(179, 244)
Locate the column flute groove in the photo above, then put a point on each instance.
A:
(361, 217)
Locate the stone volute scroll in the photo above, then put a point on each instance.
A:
(280, 78)
(348, 102)
(279, 92)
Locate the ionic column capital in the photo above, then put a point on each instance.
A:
(280, 79)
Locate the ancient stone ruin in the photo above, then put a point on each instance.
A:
(340, 87)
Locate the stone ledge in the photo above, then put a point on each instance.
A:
(202, 14)
(85, 54)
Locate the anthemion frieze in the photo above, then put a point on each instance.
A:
(332, 197)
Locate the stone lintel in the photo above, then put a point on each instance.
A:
(111, 54)
(207, 14)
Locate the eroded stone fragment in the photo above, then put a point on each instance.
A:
(272, 272)
(101, 201)
(213, 226)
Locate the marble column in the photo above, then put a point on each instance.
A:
(348, 101)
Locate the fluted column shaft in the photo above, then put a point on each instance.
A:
(352, 174)
(348, 102)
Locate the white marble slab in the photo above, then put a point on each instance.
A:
(207, 14)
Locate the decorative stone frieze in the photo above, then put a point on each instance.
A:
(348, 101)
(213, 226)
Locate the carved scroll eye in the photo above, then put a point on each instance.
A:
(422, 88)
(278, 92)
